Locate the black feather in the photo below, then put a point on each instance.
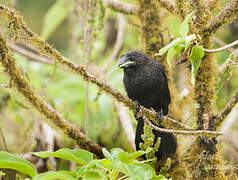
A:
(145, 81)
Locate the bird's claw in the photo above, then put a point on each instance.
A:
(138, 110)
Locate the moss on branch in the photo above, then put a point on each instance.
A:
(22, 85)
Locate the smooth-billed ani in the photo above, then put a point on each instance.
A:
(146, 83)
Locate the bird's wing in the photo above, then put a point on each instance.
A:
(164, 96)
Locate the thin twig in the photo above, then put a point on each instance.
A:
(221, 43)
(122, 7)
(29, 54)
(183, 132)
(228, 46)
(3, 139)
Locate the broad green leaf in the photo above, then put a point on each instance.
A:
(10, 161)
(143, 171)
(171, 53)
(92, 175)
(118, 165)
(129, 157)
(188, 39)
(115, 152)
(170, 45)
(78, 155)
(2, 173)
(195, 59)
(184, 27)
(52, 175)
(54, 17)
(106, 154)
(159, 177)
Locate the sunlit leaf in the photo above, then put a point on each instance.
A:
(171, 53)
(52, 175)
(106, 154)
(184, 27)
(195, 59)
(92, 175)
(143, 171)
(159, 177)
(170, 45)
(129, 157)
(78, 155)
(10, 161)
(188, 39)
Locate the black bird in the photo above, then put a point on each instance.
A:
(146, 83)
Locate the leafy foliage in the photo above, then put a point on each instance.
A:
(116, 163)
(182, 43)
(10, 161)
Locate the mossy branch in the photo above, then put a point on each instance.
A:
(227, 15)
(121, 7)
(132, 9)
(19, 81)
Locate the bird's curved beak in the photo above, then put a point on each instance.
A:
(123, 62)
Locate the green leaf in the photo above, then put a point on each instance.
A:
(159, 177)
(178, 49)
(188, 39)
(118, 166)
(52, 175)
(195, 59)
(106, 154)
(92, 175)
(171, 53)
(170, 45)
(10, 161)
(115, 152)
(127, 158)
(79, 156)
(143, 171)
(184, 27)
(54, 17)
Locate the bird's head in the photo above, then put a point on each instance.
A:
(131, 59)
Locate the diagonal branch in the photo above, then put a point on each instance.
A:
(22, 85)
(121, 7)
(227, 15)
(32, 38)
